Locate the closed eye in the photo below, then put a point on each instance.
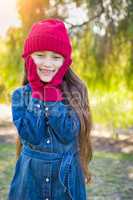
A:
(39, 55)
(56, 57)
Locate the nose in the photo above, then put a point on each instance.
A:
(47, 62)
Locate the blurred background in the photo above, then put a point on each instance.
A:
(102, 36)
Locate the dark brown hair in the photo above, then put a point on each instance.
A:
(75, 92)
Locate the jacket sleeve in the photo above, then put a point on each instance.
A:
(64, 121)
(28, 124)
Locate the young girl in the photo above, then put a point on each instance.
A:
(51, 113)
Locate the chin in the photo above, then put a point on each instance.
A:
(46, 80)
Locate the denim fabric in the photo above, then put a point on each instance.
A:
(49, 166)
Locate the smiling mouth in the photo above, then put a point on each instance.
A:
(47, 71)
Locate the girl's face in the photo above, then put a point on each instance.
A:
(48, 63)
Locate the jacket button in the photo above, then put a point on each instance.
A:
(46, 108)
(47, 179)
(48, 141)
(46, 199)
(38, 105)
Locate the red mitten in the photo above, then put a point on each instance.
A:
(44, 91)
(33, 78)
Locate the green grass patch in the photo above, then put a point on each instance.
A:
(7, 161)
(113, 156)
(112, 176)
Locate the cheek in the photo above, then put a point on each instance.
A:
(58, 64)
(37, 70)
(38, 61)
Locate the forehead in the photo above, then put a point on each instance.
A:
(46, 53)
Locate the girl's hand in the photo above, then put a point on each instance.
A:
(30, 125)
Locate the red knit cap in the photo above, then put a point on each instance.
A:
(51, 35)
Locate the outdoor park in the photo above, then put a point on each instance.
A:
(102, 37)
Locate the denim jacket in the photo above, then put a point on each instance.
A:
(49, 166)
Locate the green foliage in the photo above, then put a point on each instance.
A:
(104, 63)
(110, 97)
(11, 69)
(112, 108)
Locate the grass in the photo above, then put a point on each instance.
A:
(7, 160)
(112, 174)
